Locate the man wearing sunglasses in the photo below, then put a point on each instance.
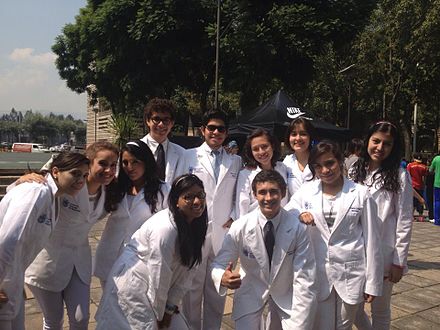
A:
(219, 171)
(159, 116)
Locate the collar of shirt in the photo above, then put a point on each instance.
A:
(275, 220)
(208, 150)
(153, 144)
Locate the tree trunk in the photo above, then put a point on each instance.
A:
(406, 141)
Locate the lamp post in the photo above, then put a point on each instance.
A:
(217, 55)
(415, 117)
(348, 73)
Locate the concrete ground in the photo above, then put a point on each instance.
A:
(415, 300)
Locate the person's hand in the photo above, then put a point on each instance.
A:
(396, 273)
(31, 177)
(3, 298)
(165, 322)
(368, 298)
(230, 279)
(228, 223)
(307, 218)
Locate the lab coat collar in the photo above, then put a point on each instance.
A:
(254, 239)
(283, 240)
(345, 203)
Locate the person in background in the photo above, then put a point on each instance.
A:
(148, 280)
(232, 147)
(429, 192)
(159, 116)
(137, 194)
(29, 213)
(353, 151)
(277, 264)
(298, 139)
(435, 168)
(418, 171)
(378, 168)
(345, 235)
(261, 152)
(219, 172)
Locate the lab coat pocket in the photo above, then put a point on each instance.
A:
(355, 278)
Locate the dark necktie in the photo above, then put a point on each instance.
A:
(161, 161)
(269, 239)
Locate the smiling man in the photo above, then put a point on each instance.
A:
(277, 265)
(159, 116)
(219, 171)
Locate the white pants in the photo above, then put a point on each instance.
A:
(380, 311)
(256, 320)
(76, 296)
(203, 290)
(333, 313)
(17, 323)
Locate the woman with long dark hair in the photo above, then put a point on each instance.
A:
(147, 282)
(345, 238)
(378, 168)
(137, 194)
(29, 214)
(298, 140)
(261, 152)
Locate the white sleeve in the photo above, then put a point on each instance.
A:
(22, 209)
(228, 253)
(404, 212)
(242, 194)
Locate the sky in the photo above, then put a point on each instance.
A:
(28, 76)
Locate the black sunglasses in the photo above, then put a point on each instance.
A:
(212, 128)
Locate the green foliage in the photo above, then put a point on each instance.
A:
(49, 130)
(124, 127)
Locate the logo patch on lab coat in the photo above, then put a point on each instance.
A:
(70, 205)
(248, 254)
(308, 205)
(290, 175)
(44, 219)
(194, 170)
(354, 210)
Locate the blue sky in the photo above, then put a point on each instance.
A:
(28, 76)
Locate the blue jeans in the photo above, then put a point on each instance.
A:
(437, 206)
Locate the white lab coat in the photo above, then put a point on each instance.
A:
(119, 228)
(245, 201)
(174, 158)
(220, 195)
(147, 276)
(396, 214)
(291, 280)
(68, 247)
(348, 257)
(295, 177)
(28, 215)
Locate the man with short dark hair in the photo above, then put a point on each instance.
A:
(159, 116)
(219, 171)
(277, 264)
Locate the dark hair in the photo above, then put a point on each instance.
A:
(269, 176)
(322, 148)
(191, 237)
(160, 106)
(355, 146)
(248, 157)
(207, 116)
(98, 146)
(388, 174)
(123, 184)
(307, 124)
(66, 161)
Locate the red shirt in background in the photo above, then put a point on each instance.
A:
(417, 170)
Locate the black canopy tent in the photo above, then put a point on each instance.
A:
(276, 114)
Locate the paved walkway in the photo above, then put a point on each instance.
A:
(415, 301)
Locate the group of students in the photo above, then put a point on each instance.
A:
(313, 245)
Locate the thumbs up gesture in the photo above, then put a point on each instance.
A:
(231, 279)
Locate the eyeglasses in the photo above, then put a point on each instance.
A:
(191, 197)
(157, 120)
(212, 128)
